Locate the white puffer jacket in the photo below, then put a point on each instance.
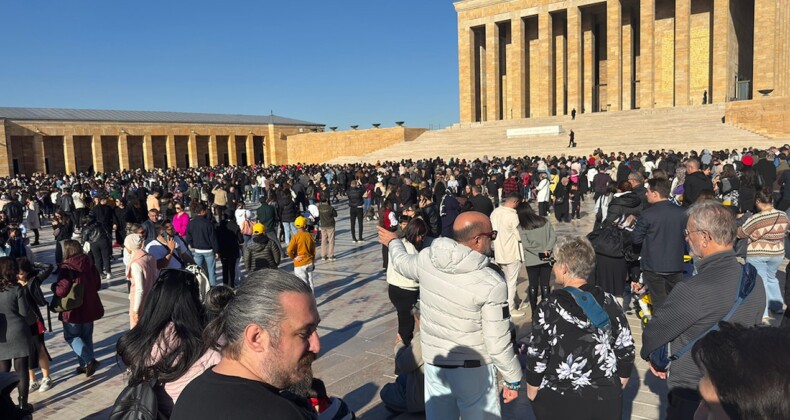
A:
(463, 306)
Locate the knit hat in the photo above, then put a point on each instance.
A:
(133, 242)
(258, 228)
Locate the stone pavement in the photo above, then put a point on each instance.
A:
(357, 330)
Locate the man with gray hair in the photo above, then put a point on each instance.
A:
(269, 326)
(700, 302)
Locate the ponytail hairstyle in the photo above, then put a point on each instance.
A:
(256, 301)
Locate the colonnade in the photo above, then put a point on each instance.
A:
(536, 58)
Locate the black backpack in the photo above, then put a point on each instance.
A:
(137, 402)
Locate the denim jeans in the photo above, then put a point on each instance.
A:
(80, 338)
(289, 229)
(468, 393)
(256, 193)
(210, 265)
(767, 268)
(366, 202)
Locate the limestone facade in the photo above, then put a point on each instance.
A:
(72, 146)
(534, 58)
(320, 147)
(769, 117)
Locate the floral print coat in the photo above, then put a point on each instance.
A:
(568, 354)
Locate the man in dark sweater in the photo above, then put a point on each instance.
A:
(660, 232)
(480, 202)
(700, 302)
(202, 238)
(355, 204)
(696, 182)
(766, 170)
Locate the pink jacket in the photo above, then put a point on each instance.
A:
(180, 224)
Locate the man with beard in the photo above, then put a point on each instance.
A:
(270, 327)
(466, 329)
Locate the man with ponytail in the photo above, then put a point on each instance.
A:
(269, 331)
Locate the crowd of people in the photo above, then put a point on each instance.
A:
(455, 235)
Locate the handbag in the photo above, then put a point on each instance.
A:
(246, 227)
(607, 241)
(71, 301)
(662, 357)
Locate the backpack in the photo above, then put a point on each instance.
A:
(138, 402)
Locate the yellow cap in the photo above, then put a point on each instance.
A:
(258, 228)
(300, 222)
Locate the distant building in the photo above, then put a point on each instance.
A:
(78, 140)
(537, 58)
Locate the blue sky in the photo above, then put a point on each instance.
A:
(337, 62)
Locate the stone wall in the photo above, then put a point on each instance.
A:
(321, 147)
(769, 117)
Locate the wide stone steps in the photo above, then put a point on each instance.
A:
(639, 130)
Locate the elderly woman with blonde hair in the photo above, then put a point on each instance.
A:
(581, 352)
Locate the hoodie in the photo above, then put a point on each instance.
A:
(79, 269)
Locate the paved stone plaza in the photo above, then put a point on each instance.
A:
(357, 330)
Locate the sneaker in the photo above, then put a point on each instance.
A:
(91, 368)
(354, 241)
(34, 385)
(46, 384)
(107, 276)
(325, 259)
(518, 313)
(80, 370)
(332, 258)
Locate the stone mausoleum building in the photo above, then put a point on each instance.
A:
(535, 58)
(76, 140)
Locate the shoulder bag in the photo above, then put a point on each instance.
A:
(662, 357)
(72, 300)
(595, 313)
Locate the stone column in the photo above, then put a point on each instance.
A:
(193, 151)
(546, 58)
(123, 152)
(250, 145)
(574, 59)
(213, 150)
(232, 150)
(588, 59)
(148, 152)
(466, 74)
(721, 36)
(69, 157)
(647, 12)
(493, 82)
(627, 58)
(39, 156)
(516, 73)
(765, 32)
(682, 49)
(614, 60)
(97, 152)
(6, 166)
(170, 149)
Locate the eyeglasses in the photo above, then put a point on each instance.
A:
(491, 235)
(687, 232)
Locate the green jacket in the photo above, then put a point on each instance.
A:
(268, 216)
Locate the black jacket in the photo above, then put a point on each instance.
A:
(201, 234)
(660, 232)
(261, 252)
(482, 204)
(694, 185)
(229, 238)
(626, 204)
(430, 214)
(767, 170)
(355, 196)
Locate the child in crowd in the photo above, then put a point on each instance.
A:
(302, 250)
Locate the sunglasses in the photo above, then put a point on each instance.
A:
(490, 235)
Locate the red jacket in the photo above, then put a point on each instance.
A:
(81, 270)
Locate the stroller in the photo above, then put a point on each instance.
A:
(643, 306)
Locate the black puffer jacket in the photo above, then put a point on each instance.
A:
(261, 252)
(355, 196)
(626, 204)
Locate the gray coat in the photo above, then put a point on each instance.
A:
(16, 317)
(537, 240)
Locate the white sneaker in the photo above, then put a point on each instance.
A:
(108, 276)
(34, 385)
(46, 384)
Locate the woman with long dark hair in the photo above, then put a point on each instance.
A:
(167, 343)
(31, 276)
(404, 292)
(537, 240)
(16, 315)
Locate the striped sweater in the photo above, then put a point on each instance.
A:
(766, 232)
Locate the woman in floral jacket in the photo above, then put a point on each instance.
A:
(576, 370)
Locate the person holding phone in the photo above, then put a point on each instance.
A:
(164, 247)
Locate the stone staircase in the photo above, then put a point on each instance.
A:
(698, 127)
